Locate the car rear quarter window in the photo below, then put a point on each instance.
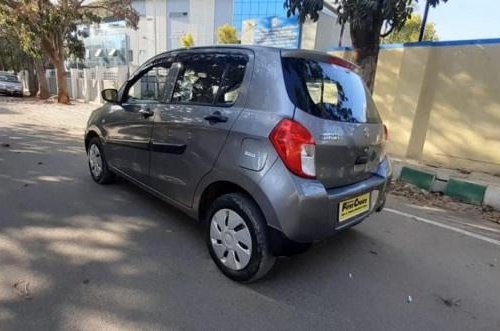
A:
(328, 91)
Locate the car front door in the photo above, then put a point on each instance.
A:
(191, 129)
(128, 126)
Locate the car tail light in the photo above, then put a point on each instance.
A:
(384, 144)
(296, 147)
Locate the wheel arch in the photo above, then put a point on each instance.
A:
(217, 187)
(91, 132)
(280, 245)
(215, 190)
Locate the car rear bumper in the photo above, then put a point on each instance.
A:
(10, 91)
(304, 211)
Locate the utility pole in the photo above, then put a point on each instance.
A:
(424, 21)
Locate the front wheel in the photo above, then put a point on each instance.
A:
(97, 163)
(237, 239)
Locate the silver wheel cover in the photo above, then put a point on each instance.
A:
(231, 239)
(95, 160)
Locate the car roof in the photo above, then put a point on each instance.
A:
(227, 47)
(287, 52)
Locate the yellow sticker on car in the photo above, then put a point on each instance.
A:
(354, 207)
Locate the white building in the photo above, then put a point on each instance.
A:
(163, 22)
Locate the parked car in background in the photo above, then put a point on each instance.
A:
(271, 149)
(10, 85)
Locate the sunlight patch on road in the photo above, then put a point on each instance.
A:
(80, 254)
(55, 179)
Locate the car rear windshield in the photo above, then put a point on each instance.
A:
(328, 91)
(8, 78)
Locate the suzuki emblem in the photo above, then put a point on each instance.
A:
(366, 132)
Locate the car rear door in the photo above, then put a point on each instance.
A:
(191, 129)
(333, 103)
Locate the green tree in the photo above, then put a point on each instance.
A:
(18, 54)
(226, 34)
(52, 25)
(12, 56)
(410, 31)
(366, 19)
(187, 40)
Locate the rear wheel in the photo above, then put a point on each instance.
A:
(97, 163)
(237, 239)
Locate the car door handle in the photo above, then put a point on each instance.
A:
(216, 117)
(146, 112)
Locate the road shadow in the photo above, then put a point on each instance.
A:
(6, 111)
(77, 255)
(81, 248)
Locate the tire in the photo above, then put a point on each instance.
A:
(102, 175)
(234, 222)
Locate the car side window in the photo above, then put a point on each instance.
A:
(232, 79)
(150, 87)
(199, 79)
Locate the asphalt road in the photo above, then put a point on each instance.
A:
(78, 256)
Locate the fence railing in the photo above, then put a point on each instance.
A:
(86, 84)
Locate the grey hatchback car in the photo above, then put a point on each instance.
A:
(271, 149)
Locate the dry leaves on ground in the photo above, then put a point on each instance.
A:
(434, 199)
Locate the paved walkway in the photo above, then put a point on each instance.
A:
(30, 111)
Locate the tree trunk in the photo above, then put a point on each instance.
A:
(54, 48)
(43, 85)
(62, 86)
(32, 80)
(365, 42)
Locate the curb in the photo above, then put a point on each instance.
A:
(492, 197)
(464, 190)
(418, 178)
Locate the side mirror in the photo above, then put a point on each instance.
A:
(110, 95)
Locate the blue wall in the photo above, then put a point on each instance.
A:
(245, 9)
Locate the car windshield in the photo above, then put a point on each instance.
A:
(328, 91)
(8, 78)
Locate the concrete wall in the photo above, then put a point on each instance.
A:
(201, 20)
(151, 36)
(325, 33)
(441, 102)
(177, 23)
(223, 14)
